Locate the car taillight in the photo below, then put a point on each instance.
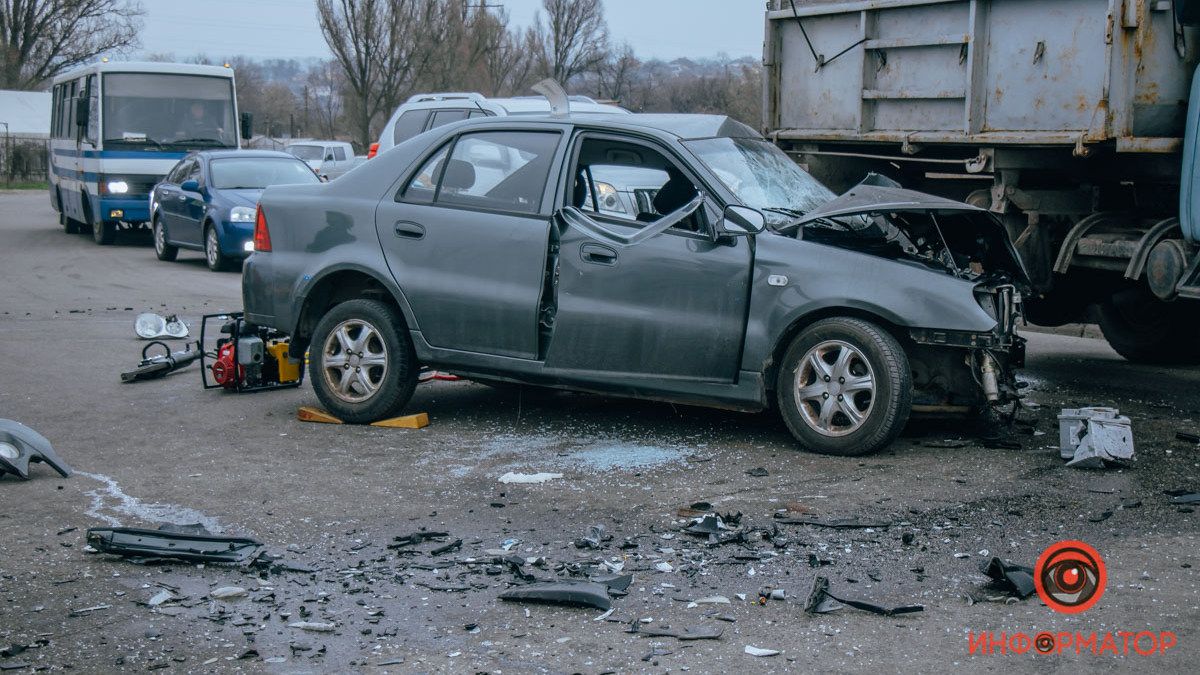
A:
(373, 150)
(262, 236)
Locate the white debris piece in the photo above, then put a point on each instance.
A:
(160, 597)
(664, 567)
(513, 477)
(313, 626)
(758, 651)
(1090, 436)
(226, 592)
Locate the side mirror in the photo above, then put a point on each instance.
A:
(247, 126)
(741, 221)
(83, 110)
(190, 186)
(329, 157)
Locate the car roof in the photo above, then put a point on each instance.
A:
(221, 154)
(684, 126)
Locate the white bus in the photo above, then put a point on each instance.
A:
(116, 129)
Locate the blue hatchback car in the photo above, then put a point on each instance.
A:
(208, 201)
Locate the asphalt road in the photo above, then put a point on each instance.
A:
(331, 498)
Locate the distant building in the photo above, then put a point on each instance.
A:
(27, 113)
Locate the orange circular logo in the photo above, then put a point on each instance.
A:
(1070, 577)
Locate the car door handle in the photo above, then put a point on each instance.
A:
(409, 230)
(598, 254)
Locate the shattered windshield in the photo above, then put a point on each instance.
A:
(160, 110)
(762, 176)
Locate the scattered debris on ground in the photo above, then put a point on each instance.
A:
(1092, 437)
(151, 326)
(192, 543)
(822, 601)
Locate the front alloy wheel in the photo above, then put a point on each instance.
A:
(162, 249)
(216, 260)
(362, 363)
(835, 388)
(844, 387)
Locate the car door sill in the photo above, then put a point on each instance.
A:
(747, 393)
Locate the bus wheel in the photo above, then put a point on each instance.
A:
(69, 224)
(104, 231)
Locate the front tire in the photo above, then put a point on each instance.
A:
(844, 387)
(1143, 329)
(361, 362)
(216, 261)
(162, 249)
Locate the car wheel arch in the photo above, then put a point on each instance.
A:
(337, 285)
(799, 323)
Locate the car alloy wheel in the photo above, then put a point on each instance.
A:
(160, 238)
(835, 388)
(212, 249)
(355, 361)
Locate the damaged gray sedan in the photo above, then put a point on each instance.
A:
(725, 276)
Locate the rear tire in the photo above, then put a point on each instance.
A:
(844, 387)
(69, 225)
(361, 362)
(1143, 329)
(162, 249)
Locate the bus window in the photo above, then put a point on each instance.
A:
(159, 109)
(93, 122)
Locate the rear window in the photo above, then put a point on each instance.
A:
(408, 125)
(306, 151)
(259, 172)
(447, 116)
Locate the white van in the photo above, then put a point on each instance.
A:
(329, 159)
(423, 112)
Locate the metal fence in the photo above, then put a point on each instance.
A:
(22, 160)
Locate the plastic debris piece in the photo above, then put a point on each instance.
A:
(711, 600)
(226, 592)
(193, 545)
(758, 651)
(758, 472)
(20, 446)
(822, 601)
(513, 477)
(576, 593)
(664, 567)
(1089, 437)
(687, 633)
(1192, 498)
(1018, 579)
(160, 597)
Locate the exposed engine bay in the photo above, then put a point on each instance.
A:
(879, 218)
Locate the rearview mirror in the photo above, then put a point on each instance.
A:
(329, 157)
(247, 126)
(190, 186)
(741, 221)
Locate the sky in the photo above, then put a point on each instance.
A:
(286, 29)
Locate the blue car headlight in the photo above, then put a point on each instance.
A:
(241, 214)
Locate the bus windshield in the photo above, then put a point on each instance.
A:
(167, 111)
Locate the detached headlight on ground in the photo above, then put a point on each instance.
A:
(117, 187)
(241, 214)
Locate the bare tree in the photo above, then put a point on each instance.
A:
(325, 83)
(573, 39)
(383, 47)
(615, 75)
(505, 60)
(43, 38)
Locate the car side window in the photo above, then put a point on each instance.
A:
(447, 116)
(176, 175)
(339, 154)
(631, 182)
(479, 113)
(193, 173)
(423, 186)
(501, 170)
(409, 124)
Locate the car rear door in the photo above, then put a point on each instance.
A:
(466, 235)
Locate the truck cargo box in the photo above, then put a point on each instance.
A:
(979, 72)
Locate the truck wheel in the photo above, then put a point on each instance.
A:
(844, 387)
(69, 224)
(1143, 329)
(162, 249)
(362, 363)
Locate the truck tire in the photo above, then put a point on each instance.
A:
(1143, 329)
(69, 224)
(361, 362)
(844, 387)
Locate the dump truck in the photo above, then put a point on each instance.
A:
(1074, 121)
